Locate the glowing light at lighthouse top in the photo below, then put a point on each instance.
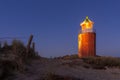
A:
(87, 25)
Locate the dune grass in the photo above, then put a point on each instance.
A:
(103, 61)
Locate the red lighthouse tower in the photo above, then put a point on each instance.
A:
(86, 39)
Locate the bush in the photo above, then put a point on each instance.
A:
(5, 44)
(53, 76)
(103, 61)
(20, 50)
(13, 57)
(68, 57)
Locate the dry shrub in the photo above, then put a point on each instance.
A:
(102, 62)
(53, 76)
(8, 67)
(13, 57)
(68, 57)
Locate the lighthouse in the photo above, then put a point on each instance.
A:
(86, 39)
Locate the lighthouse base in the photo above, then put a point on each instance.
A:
(87, 44)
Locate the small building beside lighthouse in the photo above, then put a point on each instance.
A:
(86, 39)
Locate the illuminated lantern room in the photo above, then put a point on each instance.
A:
(87, 25)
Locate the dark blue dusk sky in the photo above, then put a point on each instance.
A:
(55, 24)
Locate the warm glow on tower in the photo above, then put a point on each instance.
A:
(86, 39)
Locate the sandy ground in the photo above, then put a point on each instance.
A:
(38, 69)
